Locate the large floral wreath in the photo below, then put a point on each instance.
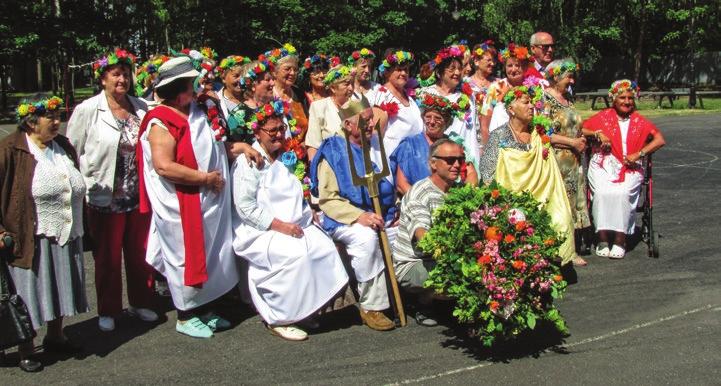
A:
(493, 250)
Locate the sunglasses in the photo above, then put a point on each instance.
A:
(545, 46)
(451, 160)
(275, 130)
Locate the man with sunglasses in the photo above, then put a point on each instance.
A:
(542, 48)
(445, 161)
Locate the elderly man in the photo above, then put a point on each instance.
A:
(542, 47)
(348, 211)
(445, 160)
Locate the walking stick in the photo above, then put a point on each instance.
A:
(370, 180)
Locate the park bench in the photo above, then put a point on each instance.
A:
(658, 96)
(601, 93)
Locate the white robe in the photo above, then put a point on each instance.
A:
(406, 123)
(289, 278)
(166, 250)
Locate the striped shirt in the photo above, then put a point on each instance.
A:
(417, 209)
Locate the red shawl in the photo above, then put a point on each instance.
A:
(638, 131)
(191, 217)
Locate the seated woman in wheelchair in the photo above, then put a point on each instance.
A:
(615, 172)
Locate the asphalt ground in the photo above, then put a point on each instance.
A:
(635, 321)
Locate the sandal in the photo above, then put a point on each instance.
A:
(602, 250)
(617, 252)
(578, 261)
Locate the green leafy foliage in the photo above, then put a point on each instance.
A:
(493, 251)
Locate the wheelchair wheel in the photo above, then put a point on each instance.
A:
(654, 245)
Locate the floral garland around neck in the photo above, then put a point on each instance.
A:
(544, 126)
(217, 123)
(294, 158)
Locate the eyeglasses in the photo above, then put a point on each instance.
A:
(451, 160)
(275, 130)
(545, 47)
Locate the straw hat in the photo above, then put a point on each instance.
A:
(175, 68)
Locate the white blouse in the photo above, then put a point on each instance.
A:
(58, 190)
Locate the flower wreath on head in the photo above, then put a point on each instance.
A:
(568, 66)
(39, 107)
(484, 47)
(336, 73)
(623, 85)
(534, 92)
(363, 53)
(231, 61)
(277, 108)
(456, 51)
(252, 74)
(429, 101)
(514, 51)
(395, 59)
(146, 70)
(119, 56)
(277, 54)
(319, 59)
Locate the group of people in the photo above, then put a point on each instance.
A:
(206, 176)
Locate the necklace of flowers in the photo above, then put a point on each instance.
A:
(217, 123)
(544, 126)
(293, 158)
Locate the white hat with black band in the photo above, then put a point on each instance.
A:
(175, 68)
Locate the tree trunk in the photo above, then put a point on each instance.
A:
(638, 54)
(3, 89)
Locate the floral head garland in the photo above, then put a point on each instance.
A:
(337, 73)
(317, 60)
(456, 51)
(38, 108)
(275, 108)
(255, 71)
(119, 56)
(428, 101)
(623, 85)
(363, 53)
(277, 54)
(483, 48)
(514, 51)
(395, 59)
(230, 62)
(567, 66)
(144, 73)
(534, 92)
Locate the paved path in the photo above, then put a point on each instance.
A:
(634, 321)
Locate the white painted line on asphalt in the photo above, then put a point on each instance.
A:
(574, 344)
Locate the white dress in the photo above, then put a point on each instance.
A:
(466, 128)
(614, 203)
(166, 251)
(289, 278)
(406, 123)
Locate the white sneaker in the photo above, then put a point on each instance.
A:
(289, 332)
(617, 252)
(106, 323)
(144, 314)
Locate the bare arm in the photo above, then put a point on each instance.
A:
(402, 184)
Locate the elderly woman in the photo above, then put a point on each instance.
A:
(515, 61)
(447, 70)
(256, 82)
(615, 172)
(231, 94)
(395, 98)
(294, 267)
(517, 157)
(566, 125)
(285, 72)
(104, 131)
(314, 69)
(410, 159)
(183, 169)
(324, 121)
(362, 63)
(41, 224)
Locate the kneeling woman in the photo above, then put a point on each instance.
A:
(519, 158)
(294, 267)
(615, 172)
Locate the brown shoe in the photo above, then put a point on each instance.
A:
(376, 320)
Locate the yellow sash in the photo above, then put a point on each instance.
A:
(527, 171)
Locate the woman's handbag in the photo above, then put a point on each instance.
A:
(16, 327)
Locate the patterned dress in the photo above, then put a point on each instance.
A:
(567, 122)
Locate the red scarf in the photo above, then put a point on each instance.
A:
(638, 131)
(191, 217)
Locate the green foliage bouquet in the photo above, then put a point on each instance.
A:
(493, 250)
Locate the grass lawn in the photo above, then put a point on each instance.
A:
(648, 108)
